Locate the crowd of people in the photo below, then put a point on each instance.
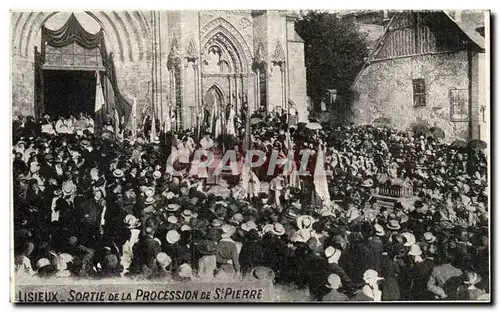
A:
(102, 204)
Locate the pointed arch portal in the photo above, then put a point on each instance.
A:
(225, 64)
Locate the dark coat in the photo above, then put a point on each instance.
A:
(145, 252)
(391, 270)
(358, 256)
(375, 247)
(419, 275)
(250, 256)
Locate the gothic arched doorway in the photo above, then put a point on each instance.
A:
(213, 110)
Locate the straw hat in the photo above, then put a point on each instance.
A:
(236, 219)
(304, 222)
(118, 173)
(156, 174)
(278, 229)
(216, 223)
(332, 254)
(185, 271)
(187, 214)
(149, 201)
(415, 250)
(301, 236)
(371, 276)
(263, 273)
(379, 230)
(163, 259)
(131, 221)
(68, 188)
(333, 281)
(185, 228)
(248, 226)
(172, 219)
(149, 192)
(227, 230)
(43, 262)
(173, 207)
(393, 225)
(173, 236)
(410, 239)
(429, 237)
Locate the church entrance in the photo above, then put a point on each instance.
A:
(69, 92)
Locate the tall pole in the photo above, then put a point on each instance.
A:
(160, 68)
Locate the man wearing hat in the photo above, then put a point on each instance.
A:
(146, 250)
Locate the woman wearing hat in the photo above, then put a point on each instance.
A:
(371, 288)
(207, 264)
(334, 283)
(227, 252)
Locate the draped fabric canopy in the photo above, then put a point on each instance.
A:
(72, 31)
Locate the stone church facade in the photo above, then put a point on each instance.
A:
(174, 63)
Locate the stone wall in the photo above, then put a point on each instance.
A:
(297, 78)
(129, 36)
(384, 89)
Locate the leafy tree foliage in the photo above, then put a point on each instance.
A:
(334, 53)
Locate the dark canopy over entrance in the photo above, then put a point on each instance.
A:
(70, 34)
(69, 92)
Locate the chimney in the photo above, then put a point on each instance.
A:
(458, 16)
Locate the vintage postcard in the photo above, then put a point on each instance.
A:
(250, 156)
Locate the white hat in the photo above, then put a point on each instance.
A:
(301, 236)
(429, 237)
(371, 276)
(333, 281)
(43, 262)
(379, 230)
(149, 201)
(187, 214)
(248, 226)
(156, 174)
(304, 222)
(173, 236)
(227, 230)
(185, 228)
(332, 254)
(276, 228)
(185, 270)
(131, 221)
(68, 188)
(149, 192)
(118, 173)
(163, 259)
(172, 219)
(410, 239)
(415, 250)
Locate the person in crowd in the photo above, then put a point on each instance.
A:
(100, 204)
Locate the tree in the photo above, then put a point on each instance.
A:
(334, 53)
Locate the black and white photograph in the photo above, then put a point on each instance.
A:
(250, 156)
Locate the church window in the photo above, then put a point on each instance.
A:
(418, 92)
(459, 104)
